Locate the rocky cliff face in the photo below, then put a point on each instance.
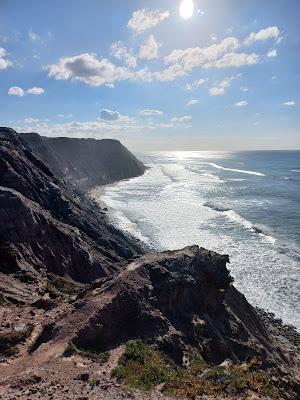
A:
(84, 162)
(174, 299)
(48, 229)
(82, 307)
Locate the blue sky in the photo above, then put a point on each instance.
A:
(227, 78)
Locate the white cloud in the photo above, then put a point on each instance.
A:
(151, 113)
(272, 53)
(168, 74)
(4, 62)
(242, 103)
(195, 84)
(233, 60)
(192, 102)
(2, 52)
(65, 115)
(216, 91)
(120, 51)
(144, 19)
(150, 49)
(99, 128)
(244, 89)
(31, 120)
(109, 115)
(272, 32)
(96, 129)
(16, 91)
(33, 36)
(219, 88)
(213, 37)
(35, 90)
(184, 118)
(94, 71)
(218, 55)
(290, 103)
(89, 69)
(193, 57)
(165, 75)
(32, 124)
(225, 83)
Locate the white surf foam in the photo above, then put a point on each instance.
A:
(205, 175)
(235, 217)
(167, 208)
(241, 171)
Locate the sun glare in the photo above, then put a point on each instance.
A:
(186, 9)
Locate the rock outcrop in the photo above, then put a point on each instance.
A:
(174, 299)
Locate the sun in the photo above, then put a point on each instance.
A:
(186, 9)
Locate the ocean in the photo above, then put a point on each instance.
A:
(245, 204)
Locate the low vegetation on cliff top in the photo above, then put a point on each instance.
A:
(144, 367)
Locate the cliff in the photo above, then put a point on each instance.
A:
(48, 229)
(85, 313)
(84, 162)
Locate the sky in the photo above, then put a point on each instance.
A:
(157, 75)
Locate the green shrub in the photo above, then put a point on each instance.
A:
(9, 340)
(91, 354)
(216, 380)
(141, 366)
(61, 287)
(144, 367)
(65, 286)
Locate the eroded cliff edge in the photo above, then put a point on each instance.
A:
(83, 308)
(84, 162)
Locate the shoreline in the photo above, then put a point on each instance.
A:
(138, 207)
(96, 194)
(288, 331)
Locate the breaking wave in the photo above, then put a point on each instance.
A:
(241, 171)
(216, 207)
(236, 218)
